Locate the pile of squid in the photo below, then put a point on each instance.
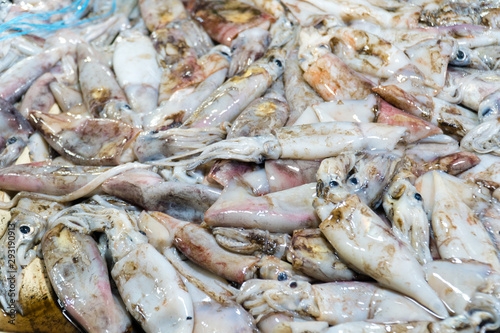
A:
(254, 165)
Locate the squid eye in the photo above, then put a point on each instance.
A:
(24, 229)
(11, 140)
(278, 63)
(293, 284)
(333, 183)
(461, 59)
(224, 54)
(282, 276)
(354, 181)
(486, 112)
(418, 196)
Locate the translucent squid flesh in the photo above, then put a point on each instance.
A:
(285, 211)
(334, 302)
(137, 71)
(227, 101)
(403, 206)
(224, 20)
(80, 279)
(348, 11)
(17, 79)
(148, 190)
(451, 118)
(366, 243)
(453, 164)
(47, 178)
(200, 246)
(191, 71)
(338, 177)
(14, 133)
(458, 232)
(311, 141)
(182, 103)
(310, 253)
(38, 97)
(252, 241)
(153, 292)
(465, 279)
(417, 127)
(224, 171)
(247, 47)
(298, 92)
(66, 97)
(158, 13)
(484, 138)
(102, 94)
(283, 174)
(211, 316)
(87, 141)
(334, 80)
(262, 115)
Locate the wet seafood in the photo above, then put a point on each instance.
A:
(312, 141)
(87, 297)
(224, 162)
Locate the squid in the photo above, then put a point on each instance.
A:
(199, 245)
(310, 141)
(14, 133)
(224, 20)
(149, 190)
(334, 302)
(458, 232)
(137, 71)
(227, 101)
(364, 241)
(80, 279)
(149, 285)
(87, 141)
(404, 207)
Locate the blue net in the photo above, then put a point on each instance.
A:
(41, 22)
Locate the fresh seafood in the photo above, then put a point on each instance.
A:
(252, 165)
(332, 302)
(14, 130)
(311, 141)
(87, 297)
(392, 264)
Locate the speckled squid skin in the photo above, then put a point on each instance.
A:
(159, 13)
(43, 177)
(153, 292)
(333, 302)
(79, 277)
(86, 141)
(457, 230)
(365, 242)
(227, 101)
(97, 81)
(224, 20)
(335, 80)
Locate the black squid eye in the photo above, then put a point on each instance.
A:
(293, 284)
(354, 181)
(461, 55)
(278, 63)
(418, 196)
(486, 112)
(461, 58)
(24, 229)
(282, 276)
(333, 183)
